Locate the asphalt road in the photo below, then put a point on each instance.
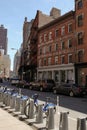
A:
(74, 103)
(76, 106)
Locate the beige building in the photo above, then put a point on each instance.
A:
(4, 64)
(16, 63)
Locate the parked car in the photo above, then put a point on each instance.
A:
(21, 83)
(35, 85)
(14, 81)
(43, 85)
(70, 89)
(27, 84)
(17, 82)
(1, 80)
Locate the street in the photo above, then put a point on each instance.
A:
(76, 106)
(74, 103)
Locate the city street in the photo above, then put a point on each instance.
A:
(74, 103)
(76, 106)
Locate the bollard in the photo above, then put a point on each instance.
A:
(23, 103)
(81, 123)
(31, 109)
(13, 100)
(8, 98)
(1, 95)
(50, 119)
(1, 91)
(5, 98)
(39, 115)
(63, 125)
(17, 103)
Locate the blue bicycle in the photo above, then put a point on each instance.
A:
(46, 106)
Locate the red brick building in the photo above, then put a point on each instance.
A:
(30, 53)
(57, 47)
(62, 47)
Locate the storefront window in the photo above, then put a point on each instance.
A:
(62, 75)
(56, 76)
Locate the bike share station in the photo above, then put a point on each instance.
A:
(35, 112)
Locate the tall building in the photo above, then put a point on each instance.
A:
(3, 39)
(4, 64)
(57, 46)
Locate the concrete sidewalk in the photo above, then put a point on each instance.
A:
(8, 122)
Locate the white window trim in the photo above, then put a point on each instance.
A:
(68, 58)
(56, 60)
(49, 61)
(50, 35)
(68, 27)
(63, 30)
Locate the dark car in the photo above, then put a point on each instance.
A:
(34, 85)
(43, 85)
(47, 85)
(17, 82)
(14, 81)
(1, 80)
(70, 89)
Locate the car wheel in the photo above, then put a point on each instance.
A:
(41, 89)
(54, 91)
(71, 94)
(31, 87)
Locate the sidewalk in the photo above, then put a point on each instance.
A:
(8, 122)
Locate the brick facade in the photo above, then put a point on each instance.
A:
(59, 43)
(62, 48)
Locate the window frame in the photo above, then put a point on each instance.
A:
(70, 61)
(63, 60)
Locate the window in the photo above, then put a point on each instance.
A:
(56, 47)
(80, 56)
(80, 20)
(50, 48)
(45, 37)
(44, 50)
(70, 58)
(56, 60)
(70, 28)
(49, 61)
(40, 51)
(45, 61)
(80, 4)
(63, 59)
(40, 39)
(63, 30)
(56, 33)
(70, 43)
(50, 35)
(63, 45)
(40, 62)
(80, 38)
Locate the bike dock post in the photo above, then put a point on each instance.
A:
(81, 123)
(17, 106)
(39, 115)
(31, 109)
(50, 119)
(63, 125)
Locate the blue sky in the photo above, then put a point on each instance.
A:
(13, 12)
